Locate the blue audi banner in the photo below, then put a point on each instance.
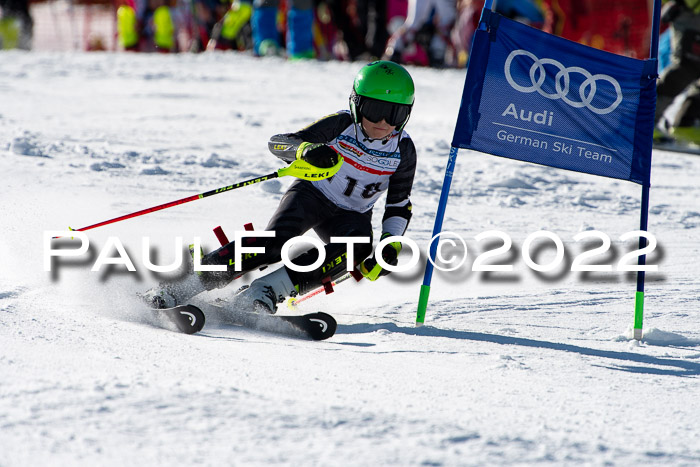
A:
(535, 97)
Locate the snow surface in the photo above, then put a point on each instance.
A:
(511, 368)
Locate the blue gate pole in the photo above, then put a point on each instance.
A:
(644, 215)
(641, 261)
(437, 228)
(442, 204)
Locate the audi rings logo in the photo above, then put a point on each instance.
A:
(586, 91)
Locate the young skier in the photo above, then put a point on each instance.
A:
(377, 156)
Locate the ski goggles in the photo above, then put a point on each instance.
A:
(375, 111)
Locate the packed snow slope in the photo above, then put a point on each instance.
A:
(511, 368)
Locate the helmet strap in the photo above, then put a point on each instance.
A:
(384, 141)
(354, 106)
(364, 133)
(400, 128)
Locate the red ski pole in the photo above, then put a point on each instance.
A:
(160, 207)
(299, 168)
(293, 302)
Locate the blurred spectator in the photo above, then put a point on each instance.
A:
(621, 27)
(683, 72)
(204, 16)
(428, 38)
(363, 25)
(342, 31)
(232, 30)
(299, 38)
(327, 45)
(345, 17)
(374, 18)
(421, 32)
(403, 46)
(468, 14)
(16, 25)
(147, 26)
(350, 29)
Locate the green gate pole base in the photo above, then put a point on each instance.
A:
(422, 304)
(638, 315)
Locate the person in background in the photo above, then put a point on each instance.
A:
(468, 14)
(16, 25)
(232, 30)
(299, 40)
(147, 26)
(443, 13)
(684, 68)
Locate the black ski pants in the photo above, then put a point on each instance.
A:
(301, 209)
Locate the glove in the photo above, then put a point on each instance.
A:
(390, 254)
(317, 154)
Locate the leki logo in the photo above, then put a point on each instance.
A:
(586, 91)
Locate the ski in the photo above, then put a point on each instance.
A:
(319, 326)
(316, 326)
(187, 318)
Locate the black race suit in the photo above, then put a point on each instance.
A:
(337, 207)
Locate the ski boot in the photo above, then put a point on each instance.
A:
(158, 298)
(168, 295)
(264, 293)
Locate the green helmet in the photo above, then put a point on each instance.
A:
(386, 82)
